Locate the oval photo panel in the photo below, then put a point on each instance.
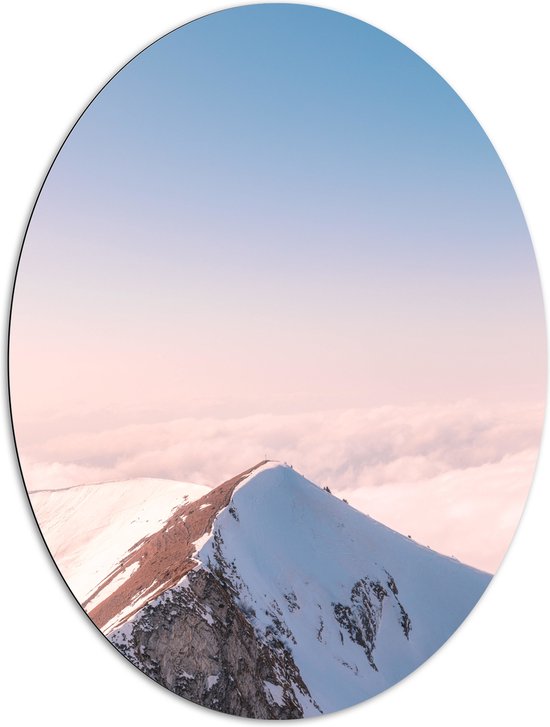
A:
(277, 361)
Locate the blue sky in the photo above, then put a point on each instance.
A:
(277, 201)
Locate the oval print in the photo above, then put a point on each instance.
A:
(277, 361)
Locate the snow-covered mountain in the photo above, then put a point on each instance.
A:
(267, 596)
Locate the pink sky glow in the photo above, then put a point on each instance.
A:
(318, 257)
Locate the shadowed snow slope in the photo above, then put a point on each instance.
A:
(324, 605)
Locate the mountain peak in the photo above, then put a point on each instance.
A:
(266, 596)
(281, 567)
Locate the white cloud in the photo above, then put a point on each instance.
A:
(454, 476)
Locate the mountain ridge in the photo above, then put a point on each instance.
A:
(291, 602)
(164, 556)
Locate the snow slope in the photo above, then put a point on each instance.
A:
(351, 605)
(89, 528)
(297, 546)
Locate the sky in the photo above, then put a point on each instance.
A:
(277, 230)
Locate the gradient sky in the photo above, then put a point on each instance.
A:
(272, 210)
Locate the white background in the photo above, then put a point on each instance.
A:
(57, 669)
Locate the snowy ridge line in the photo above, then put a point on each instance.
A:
(104, 482)
(166, 555)
(378, 523)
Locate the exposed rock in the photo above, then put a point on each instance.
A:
(361, 617)
(196, 642)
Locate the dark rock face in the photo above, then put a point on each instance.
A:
(198, 643)
(197, 640)
(361, 617)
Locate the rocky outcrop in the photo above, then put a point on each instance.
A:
(361, 616)
(198, 643)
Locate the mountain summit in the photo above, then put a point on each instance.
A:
(264, 597)
(269, 597)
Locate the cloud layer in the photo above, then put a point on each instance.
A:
(453, 476)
